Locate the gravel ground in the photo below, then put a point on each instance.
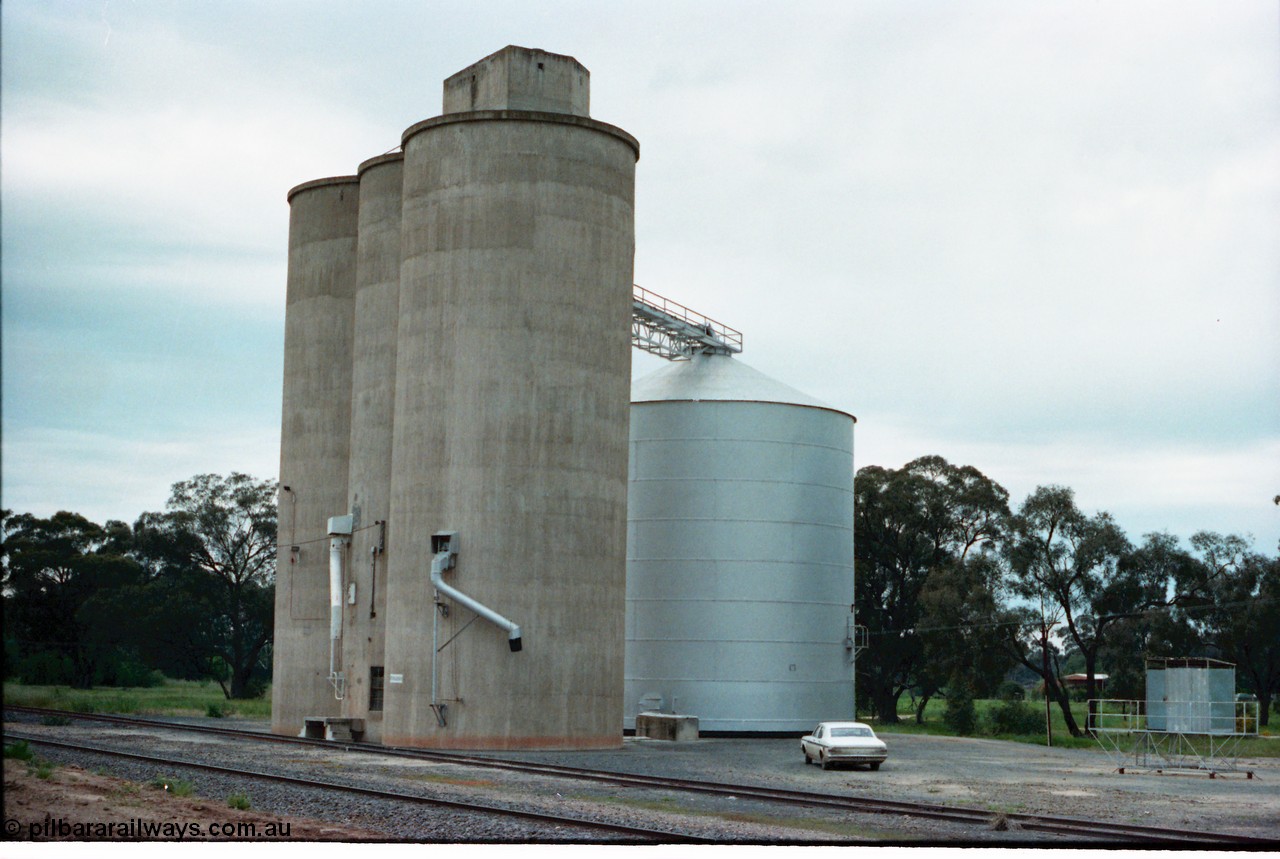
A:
(997, 776)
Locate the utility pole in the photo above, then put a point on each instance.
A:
(1044, 656)
(1044, 653)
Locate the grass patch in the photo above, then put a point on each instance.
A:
(669, 804)
(171, 698)
(175, 786)
(238, 800)
(444, 779)
(1259, 747)
(19, 751)
(41, 768)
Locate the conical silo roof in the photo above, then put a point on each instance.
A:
(718, 377)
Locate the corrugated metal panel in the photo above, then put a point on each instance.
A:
(740, 550)
(1191, 700)
(717, 377)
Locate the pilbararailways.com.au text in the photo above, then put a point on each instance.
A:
(137, 829)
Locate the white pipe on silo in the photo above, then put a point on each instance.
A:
(339, 536)
(438, 565)
(445, 544)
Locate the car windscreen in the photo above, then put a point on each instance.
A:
(851, 732)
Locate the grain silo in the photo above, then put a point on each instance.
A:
(314, 446)
(511, 408)
(373, 370)
(740, 551)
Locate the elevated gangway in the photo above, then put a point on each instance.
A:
(670, 330)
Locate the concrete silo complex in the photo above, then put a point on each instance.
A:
(740, 550)
(316, 436)
(455, 426)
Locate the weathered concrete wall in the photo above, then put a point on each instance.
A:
(315, 439)
(512, 400)
(377, 303)
(520, 79)
(463, 334)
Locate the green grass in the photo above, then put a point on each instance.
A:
(19, 751)
(1260, 747)
(175, 786)
(238, 800)
(172, 698)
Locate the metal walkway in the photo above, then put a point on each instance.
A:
(669, 330)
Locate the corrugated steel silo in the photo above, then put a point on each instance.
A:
(315, 440)
(739, 550)
(511, 412)
(377, 303)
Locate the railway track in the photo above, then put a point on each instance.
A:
(623, 832)
(1073, 828)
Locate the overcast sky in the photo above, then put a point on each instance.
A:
(1037, 238)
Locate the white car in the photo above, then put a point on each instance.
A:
(834, 743)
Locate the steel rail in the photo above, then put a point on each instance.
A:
(1053, 824)
(643, 833)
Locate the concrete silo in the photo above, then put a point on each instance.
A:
(740, 551)
(373, 374)
(511, 410)
(315, 440)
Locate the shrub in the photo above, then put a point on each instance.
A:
(238, 800)
(214, 711)
(1011, 691)
(1014, 717)
(19, 750)
(46, 668)
(41, 768)
(960, 715)
(177, 787)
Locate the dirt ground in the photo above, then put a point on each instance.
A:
(76, 805)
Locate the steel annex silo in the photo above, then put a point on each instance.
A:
(510, 427)
(739, 550)
(315, 439)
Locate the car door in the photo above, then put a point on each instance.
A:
(818, 740)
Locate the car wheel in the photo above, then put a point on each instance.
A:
(807, 761)
(826, 764)
(875, 766)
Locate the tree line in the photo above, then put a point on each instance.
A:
(188, 592)
(956, 590)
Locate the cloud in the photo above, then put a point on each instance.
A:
(1178, 487)
(103, 476)
(1037, 236)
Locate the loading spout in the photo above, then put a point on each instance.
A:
(445, 545)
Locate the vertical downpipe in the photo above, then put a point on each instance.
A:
(339, 537)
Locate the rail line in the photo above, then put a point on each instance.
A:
(1092, 830)
(639, 833)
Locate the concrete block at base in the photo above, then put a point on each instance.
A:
(667, 726)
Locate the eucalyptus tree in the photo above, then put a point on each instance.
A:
(216, 540)
(929, 515)
(1233, 597)
(1068, 566)
(56, 572)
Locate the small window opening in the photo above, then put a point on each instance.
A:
(375, 687)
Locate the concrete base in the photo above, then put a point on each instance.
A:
(667, 726)
(332, 728)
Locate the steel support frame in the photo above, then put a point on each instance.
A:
(1121, 730)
